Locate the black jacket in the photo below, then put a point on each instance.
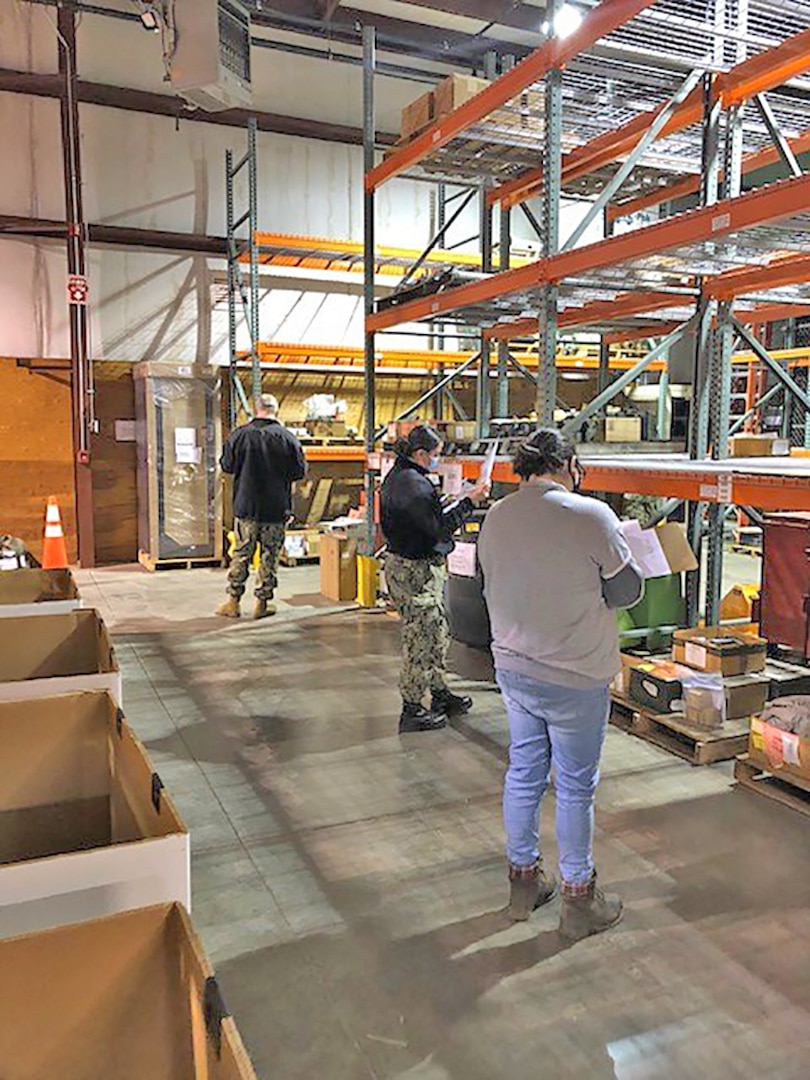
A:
(414, 522)
(265, 460)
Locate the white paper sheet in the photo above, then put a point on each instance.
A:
(489, 462)
(185, 446)
(452, 474)
(462, 560)
(646, 549)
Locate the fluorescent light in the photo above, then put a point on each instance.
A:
(567, 20)
(150, 20)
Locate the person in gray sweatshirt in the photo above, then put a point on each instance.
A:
(556, 566)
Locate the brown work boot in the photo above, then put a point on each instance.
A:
(587, 910)
(529, 889)
(263, 609)
(230, 608)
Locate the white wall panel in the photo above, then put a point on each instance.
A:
(27, 37)
(31, 183)
(33, 302)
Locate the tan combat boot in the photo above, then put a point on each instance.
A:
(587, 910)
(263, 609)
(529, 889)
(230, 608)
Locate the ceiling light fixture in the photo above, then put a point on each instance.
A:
(149, 20)
(567, 20)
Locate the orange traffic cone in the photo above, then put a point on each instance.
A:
(54, 549)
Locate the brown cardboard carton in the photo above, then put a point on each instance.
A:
(44, 655)
(658, 686)
(679, 555)
(745, 695)
(37, 592)
(85, 827)
(623, 429)
(127, 997)
(417, 115)
(719, 649)
(779, 751)
(455, 90)
(338, 566)
(758, 446)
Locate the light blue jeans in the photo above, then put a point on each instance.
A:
(567, 727)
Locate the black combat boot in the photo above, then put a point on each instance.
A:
(415, 717)
(445, 701)
(529, 889)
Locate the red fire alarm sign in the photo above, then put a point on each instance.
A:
(78, 288)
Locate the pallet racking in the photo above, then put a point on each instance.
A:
(648, 103)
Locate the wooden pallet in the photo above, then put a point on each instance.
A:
(780, 787)
(671, 732)
(201, 563)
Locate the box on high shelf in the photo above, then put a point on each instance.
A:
(622, 429)
(758, 446)
(417, 115)
(720, 649)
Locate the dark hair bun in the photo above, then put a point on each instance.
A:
(421, 437)
(545, 452)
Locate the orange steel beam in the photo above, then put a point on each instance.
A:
(691, 185)
(791, 270)
(554, 53)
(767, 492)
(621, 337)
(335, 453)
(330, 250)
(769, 313)
(779, 200)
(763, 72)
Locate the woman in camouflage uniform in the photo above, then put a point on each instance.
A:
(418, 529)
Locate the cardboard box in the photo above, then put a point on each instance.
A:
(455, 90)
(720, 649)
(779, 751)
(623, 429)
(758, 446)
(339, 566)
(44, 655)
(657, 685)
(37, 592)
(704, 707)
(128, 997)
(417, 115)
(621, 683)
(659, 552)
(785, 680)
(85, 827)
(746, 695)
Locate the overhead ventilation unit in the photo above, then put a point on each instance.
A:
(210, 66)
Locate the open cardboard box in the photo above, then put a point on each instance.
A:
(85, 827)
(44, 655)
(37, 592)
(720, 648)
(128, 997)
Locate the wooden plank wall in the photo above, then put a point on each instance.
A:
(36, 455)
(115, 498)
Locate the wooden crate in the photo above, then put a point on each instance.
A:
(671, 732)
(754, 773)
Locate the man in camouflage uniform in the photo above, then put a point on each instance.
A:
(265, 460)
(417, 590)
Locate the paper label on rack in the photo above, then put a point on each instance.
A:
(185, 446)
(387, 466)
(462, 560)
(725, 490)
(695, 655)
(184, 369)
(125, 431)
(790, 748)
(722, 221)
(708, 493)
(374, 462)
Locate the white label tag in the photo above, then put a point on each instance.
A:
(708, 493)
(790, 748)
(184, 369)
(725, 489)
(462, 560)
(374, 461)
(125, 431)
(695, 655)
(722, 221)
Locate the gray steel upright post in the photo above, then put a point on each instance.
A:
(369, 266)
(502, 394)
(253, 247)
(232, 286)
(483, 403)
(701, 374)
(552, 183)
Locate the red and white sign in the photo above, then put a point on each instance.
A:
(78, 288)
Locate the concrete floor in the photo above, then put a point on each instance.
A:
(347, 883)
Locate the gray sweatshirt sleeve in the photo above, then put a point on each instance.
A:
(624, 589)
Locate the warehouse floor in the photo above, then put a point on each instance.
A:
(348, 883)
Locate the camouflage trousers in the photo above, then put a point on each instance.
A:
(416, 587)
(247, 534)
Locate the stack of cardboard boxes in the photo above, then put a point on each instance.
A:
(108, 976)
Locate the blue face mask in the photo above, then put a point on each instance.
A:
(434, 463)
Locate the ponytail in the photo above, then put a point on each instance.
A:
(422, 437)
